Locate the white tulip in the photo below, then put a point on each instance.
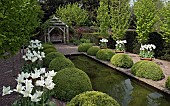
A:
(6, 90)
(20, 78)
(19, 88)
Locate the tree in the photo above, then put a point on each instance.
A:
(72, 15)
(165, 22)
(146, 16)
(18, 21)
(103, 18)
(120, 18)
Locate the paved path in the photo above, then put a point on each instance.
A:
(165, 65)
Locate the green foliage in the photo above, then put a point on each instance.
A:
(147, 69)
(84, 47)
(122, 60)
(18, 21)
(93, 98)
(103, 18)
(46, 46)
(105, 54)
(120, 18)
(146, 16)
(167, 83)
(93, 50)
(71, 82)
(165, 22)
(50, 56)
(60, 63)
(72, 14)
(49, 50)
(29, 66)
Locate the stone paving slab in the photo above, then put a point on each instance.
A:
(165, 65)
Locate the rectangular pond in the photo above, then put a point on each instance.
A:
(127, 91)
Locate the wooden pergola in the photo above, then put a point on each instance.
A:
(57, 23)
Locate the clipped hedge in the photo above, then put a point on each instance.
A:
(122, 60)
(93, 98)
(50, 56)
(167, 83)
(93, 50)
(60, 63)
(147, 69)
(84, 47)
(71, 82)
(47, 45)
(49, 50)
(105, 54)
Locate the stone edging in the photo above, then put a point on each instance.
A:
(149, 82)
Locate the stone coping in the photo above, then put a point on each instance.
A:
(155, 84)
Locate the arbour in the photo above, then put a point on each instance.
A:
(53, 23)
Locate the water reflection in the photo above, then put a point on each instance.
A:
(153, 99)
(126, 91)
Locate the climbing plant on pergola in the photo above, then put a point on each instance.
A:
(53, 23)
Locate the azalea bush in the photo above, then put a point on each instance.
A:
(103, 43)
(31, 87)
(120, 45)
(146, 51)
(33, 56)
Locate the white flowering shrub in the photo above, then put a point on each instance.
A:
(120, 45)
(146, 51)
(31, 85)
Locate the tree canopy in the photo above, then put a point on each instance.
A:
(18, 21)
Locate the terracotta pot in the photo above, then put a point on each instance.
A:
(149, 59)
(119, 51)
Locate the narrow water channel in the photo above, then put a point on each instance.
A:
(122, 88)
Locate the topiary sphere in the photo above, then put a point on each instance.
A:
(49, 50)
(147, 69)
(50, 56)
(105, 54)
(167, 83)
(93, 50)
(60, 63)
(71, 82)
(46, 46)
(84, 47)
(93, 98)
(122, 60)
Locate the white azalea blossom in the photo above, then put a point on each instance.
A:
(6, 90)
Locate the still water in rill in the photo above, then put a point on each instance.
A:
(126, 91)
